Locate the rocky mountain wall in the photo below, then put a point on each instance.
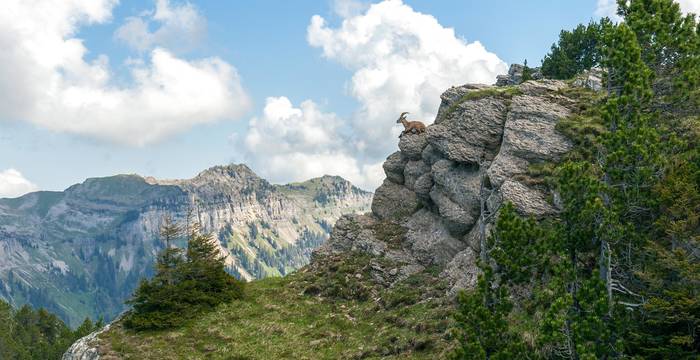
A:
(444, 187)
(81, 252)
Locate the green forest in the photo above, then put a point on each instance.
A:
(617, 273)
(37, 334)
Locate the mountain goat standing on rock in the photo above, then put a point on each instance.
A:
(414, 127)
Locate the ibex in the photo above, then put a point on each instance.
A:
(415, 127)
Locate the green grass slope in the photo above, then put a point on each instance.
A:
(331, 309)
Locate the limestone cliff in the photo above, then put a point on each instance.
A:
(82, 251)
(444, 187)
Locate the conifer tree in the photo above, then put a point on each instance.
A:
(670, 47)
(576, 50)
(482, 321)
(527, 72)
(183, 285)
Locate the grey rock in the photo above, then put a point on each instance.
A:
(355, 233)
(591, 79)
(529, 136)
(457, 220)
(515, 75)
(505, 166)
(460, 182)
(422, 187)
(429, 239)
(392, 201)
(504, 137)
(473, 239)
(472, 132)
(430, 155)
(527, 201)
(461, 272)
(453, 96)
(394, 167)
(503, 80)
(86, 347)
(412, 171)
(541, 87)
(412, 145)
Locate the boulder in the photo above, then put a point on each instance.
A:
(422, 187)
(430, 155)
(453, 96)
(527, 201)
(459, 182)
(412, 145)
(541, 87)
(412, 171)
(461, 272)
(430, 241)
(472, 132)
(393, 201)
(529, 136)
(394, 167)
(457, 219)
(591, 79)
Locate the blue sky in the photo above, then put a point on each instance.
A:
(298, 106)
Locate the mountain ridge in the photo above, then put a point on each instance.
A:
(98, 237)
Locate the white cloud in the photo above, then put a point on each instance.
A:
(290, 143)
(690, 6)
(348, 8)
(402, 61)
(609, 8)
(181, 27)
(46, 79)
(14, 184)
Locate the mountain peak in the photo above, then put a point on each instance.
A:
(230, 170)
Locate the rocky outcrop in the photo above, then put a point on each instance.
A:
(515, 75)
(591, 79)
(476, 156)
(82, 251)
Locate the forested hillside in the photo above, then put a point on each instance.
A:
(617, 273)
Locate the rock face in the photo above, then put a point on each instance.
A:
(592, 79)
(475, 157)
(82, 251)
(515, 75)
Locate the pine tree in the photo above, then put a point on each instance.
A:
(482, 321)
(527, 72)
(577, 50)
(519, 246)
(183, 286)
(670, 47)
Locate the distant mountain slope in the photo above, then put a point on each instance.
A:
(82, 251)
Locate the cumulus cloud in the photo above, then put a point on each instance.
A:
(609, 8)
(348, 8)
(180, 27)
(14, 184)
(402, 61)
(689, 6)
(288, 143)
(46, 79)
